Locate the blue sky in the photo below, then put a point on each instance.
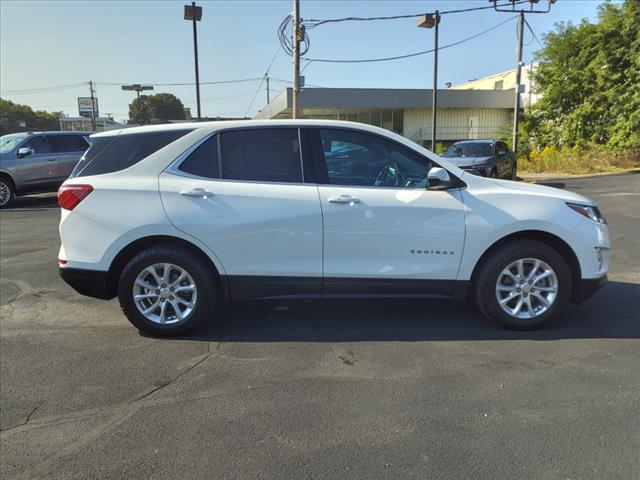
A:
(55, 43)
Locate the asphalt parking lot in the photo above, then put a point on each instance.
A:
(388, 389)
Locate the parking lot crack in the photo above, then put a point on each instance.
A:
(26, 420)
(197, 362)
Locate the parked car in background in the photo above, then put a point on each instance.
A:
(489, 158)
(173, 218)
(33, 162)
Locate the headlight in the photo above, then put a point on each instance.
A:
(588, 211)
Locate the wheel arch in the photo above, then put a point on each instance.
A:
(544, 237)
(135, 247)
(6, 176)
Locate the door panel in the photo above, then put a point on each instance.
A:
(66, 163)
(387, 230)
(255, 229)
(392, 233)
(37, 170)
(68, 148)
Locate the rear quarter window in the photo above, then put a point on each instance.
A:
(112, 154)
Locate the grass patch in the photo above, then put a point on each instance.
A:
(578, 161)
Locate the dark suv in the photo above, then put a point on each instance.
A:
(32, 162)
(489, 158)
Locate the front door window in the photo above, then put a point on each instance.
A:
(359, 159)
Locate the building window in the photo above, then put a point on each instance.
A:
(499, 85)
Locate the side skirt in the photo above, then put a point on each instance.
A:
(257, 287)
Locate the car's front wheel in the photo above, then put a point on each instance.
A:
(166, 291)
(6, 193)
(522, 285)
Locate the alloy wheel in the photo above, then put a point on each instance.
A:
(165, 293)
(527, 288)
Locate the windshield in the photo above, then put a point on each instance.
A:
(470, 149)
(9, 142)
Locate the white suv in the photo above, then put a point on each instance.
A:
(174, 218)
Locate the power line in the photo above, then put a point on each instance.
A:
(29, 91)
(312, 23)
(409, 55)
(533, 33)
(177, 84)
(282, 80)
(266, 74)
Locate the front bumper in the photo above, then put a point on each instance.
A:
(92, 283)
(587, 287)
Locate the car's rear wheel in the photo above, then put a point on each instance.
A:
(6, 193)
(522, 285)
(166, 291)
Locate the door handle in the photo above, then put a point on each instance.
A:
(196, 192)
(345, 199)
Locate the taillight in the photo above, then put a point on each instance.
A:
(69, 196)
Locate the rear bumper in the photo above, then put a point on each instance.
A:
(92, 283)
(587, 287)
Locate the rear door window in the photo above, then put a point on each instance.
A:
(67, 143)
(114, 153)
(262, 154)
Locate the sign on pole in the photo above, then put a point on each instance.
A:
(84, 106)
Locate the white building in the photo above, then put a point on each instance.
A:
(462, 114)
(83, 124)
(506, 81)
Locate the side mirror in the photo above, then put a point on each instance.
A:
(24, 151)
(438, 177)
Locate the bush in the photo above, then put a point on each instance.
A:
(591, 159)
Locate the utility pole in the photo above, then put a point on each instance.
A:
(93, 106)
(268, 93)
(516, 107)
(296, 59)
(521, 21)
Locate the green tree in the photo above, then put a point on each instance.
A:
(589, 78)
(15, 117)
(156, 108)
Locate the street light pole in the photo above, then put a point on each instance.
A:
(435, 86)
(194, 13)
(136, 87)
(432, 20)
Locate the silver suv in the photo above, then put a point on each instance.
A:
(32, 162)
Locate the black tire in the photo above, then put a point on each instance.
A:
(493, 174)
(202, 274)
(7, 194)
(487, 277)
